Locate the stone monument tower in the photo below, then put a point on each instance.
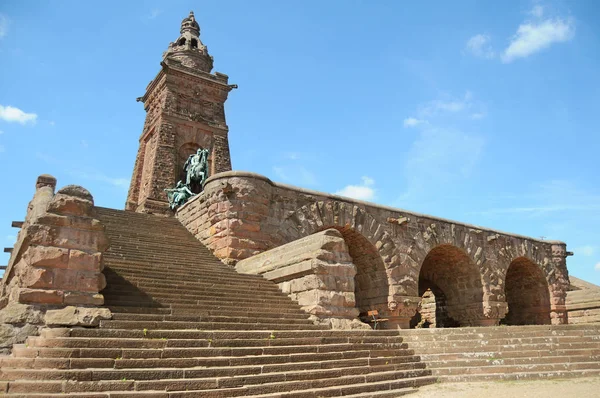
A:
(184, 112)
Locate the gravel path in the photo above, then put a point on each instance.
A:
(588, 387)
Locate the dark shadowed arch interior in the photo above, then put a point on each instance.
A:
(454, 282)
(371, 286)
(527, 294)
(433, 311)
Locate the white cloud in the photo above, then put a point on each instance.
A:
(479, 46)
(364, 191)
(447, 105)
(84, 144)
(533, 37)
(1, 132)
(295, 174)
(11, 238)
(117, 182)
(478, 115)
(2, 148)
(597, 267)
(4, 22)
(537, 11)
(12, 114)
(413, 122)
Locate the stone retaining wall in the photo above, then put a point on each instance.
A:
(243, 214)
(54, 275)
(317, 272)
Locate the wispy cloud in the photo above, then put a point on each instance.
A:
(2, 149)
(96, 176)
(534, 36)
(429, 164)
(4, 23)
(11, 114)
(479, 46)
(154, 13)
(537, 11)
(413, 122)
(597, 267)
(447, 104)
(587, 250)
(295, 174)
(363, 191)
(11, 238)
(556, 196)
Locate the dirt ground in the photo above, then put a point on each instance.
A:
(588, 387)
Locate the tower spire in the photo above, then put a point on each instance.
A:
(188, 48)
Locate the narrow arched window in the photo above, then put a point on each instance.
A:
(181, 41)
(194, 43)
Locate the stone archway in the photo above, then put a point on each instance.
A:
(371, 286)
(527, 294)
(455, 282)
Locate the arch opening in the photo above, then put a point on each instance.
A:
(181, 42)
(450, 287)
(194, 43)
(527, 294)
(371, 287)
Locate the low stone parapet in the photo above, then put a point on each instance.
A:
(317, 272)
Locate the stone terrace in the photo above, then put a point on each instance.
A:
(399, 255)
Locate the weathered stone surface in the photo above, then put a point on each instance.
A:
(77, 316)
(185, 111)
(46, 256)
(16, 313)
(80, 260)
(316, 271)
(63, 203)
(39, 296)
(240, 215)
(14, 334)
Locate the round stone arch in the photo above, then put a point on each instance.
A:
(436, 241)
(527, 293)
(370, 243)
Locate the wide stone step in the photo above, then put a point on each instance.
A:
(493, 361)
(217, 377)
(548, 347)
(273, 334)
(259, 298)
(523, 375)
(212, 325)
(350, 386)
(509, 354)
(506, 341)
(401, 362)
(195, 315)
(292, 311)
(199, 306)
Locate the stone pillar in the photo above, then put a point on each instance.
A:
(55, 274)
(558, 283)
(317, 272)
(401, 310)
(485, 313)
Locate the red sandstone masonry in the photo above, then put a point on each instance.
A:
(242, 214)
(56, 264)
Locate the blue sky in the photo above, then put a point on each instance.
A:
(469, 110)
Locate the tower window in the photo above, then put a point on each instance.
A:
(181, 41)
(194, 43)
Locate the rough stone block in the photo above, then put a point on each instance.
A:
(46, 256)
(20, 313)
(78, 298)
(38, 296)
(79, 260)
(77, 316)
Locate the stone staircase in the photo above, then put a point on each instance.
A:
(186, 325)
(508, 353)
